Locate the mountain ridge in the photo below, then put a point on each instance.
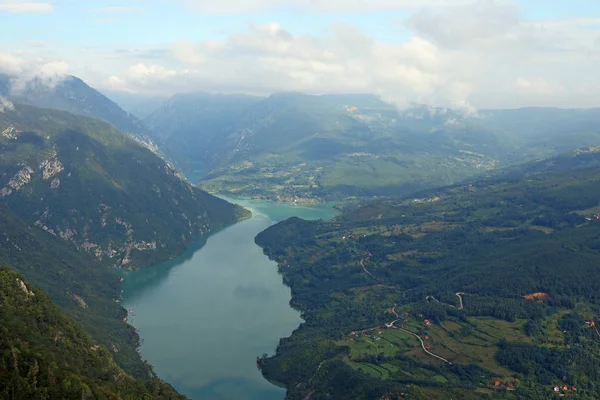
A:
(310, 148)
(93, 182)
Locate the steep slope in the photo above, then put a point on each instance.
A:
(476, 290)
(83, 288)
(44, 354)
(85, 182)
(186, 124)
(75, 96)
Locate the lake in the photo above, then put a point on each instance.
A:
(205, 316)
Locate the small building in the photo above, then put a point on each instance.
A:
(427, 322)
(556, 389)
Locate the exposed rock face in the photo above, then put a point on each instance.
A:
(22, 178)
(24, 288)
(10, 133)
(55, 183)
(50, 168)
(95, 188)
(80, 301)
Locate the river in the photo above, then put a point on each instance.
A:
(205, 316)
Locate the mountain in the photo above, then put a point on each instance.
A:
(479, 290)
(75, 96)
(139, 105)
(186, 124)
(83, 181)
(298, 147)
(44, 354)
(83, 288)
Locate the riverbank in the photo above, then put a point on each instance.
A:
(206, 315)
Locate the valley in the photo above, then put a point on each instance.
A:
(442, 270)
(206, 316)
(294, 147)
(299, 200)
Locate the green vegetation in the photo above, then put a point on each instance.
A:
(521, 251)
(296, 147)
(45, 355)
(83, 288)
(82, 180)
(77, 197)
(75, 96)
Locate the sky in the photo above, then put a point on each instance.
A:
(457, 53)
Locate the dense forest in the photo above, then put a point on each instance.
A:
(45, 355)
(487, 287)
(82, 180)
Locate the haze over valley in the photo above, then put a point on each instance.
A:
(301, 200)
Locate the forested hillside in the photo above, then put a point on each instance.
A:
(45, 355)
(73, 95)
(305, 148)
(480, 290)
(83, 288)
(83, 181)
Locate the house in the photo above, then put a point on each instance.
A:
(427, 322)
(497, 383)
(556, 389)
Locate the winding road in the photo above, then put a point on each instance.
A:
(362, 264)
(391, 325)
(460, 299)
(460, 295)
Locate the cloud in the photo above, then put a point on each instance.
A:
(462, 54)
(269, 58)
(25, 7)
(10, 64)
(6, 105)
(537, 86)
(24, 73)
(474, 25)
(484, 54)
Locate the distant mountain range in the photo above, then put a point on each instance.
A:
(298, 147)
(292, 146)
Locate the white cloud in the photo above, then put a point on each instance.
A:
(464, 54)
(25, 6)
(6, 105)
(10, 64)
(24, 73)
(537, 86)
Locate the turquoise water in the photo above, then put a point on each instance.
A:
(205, 316)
